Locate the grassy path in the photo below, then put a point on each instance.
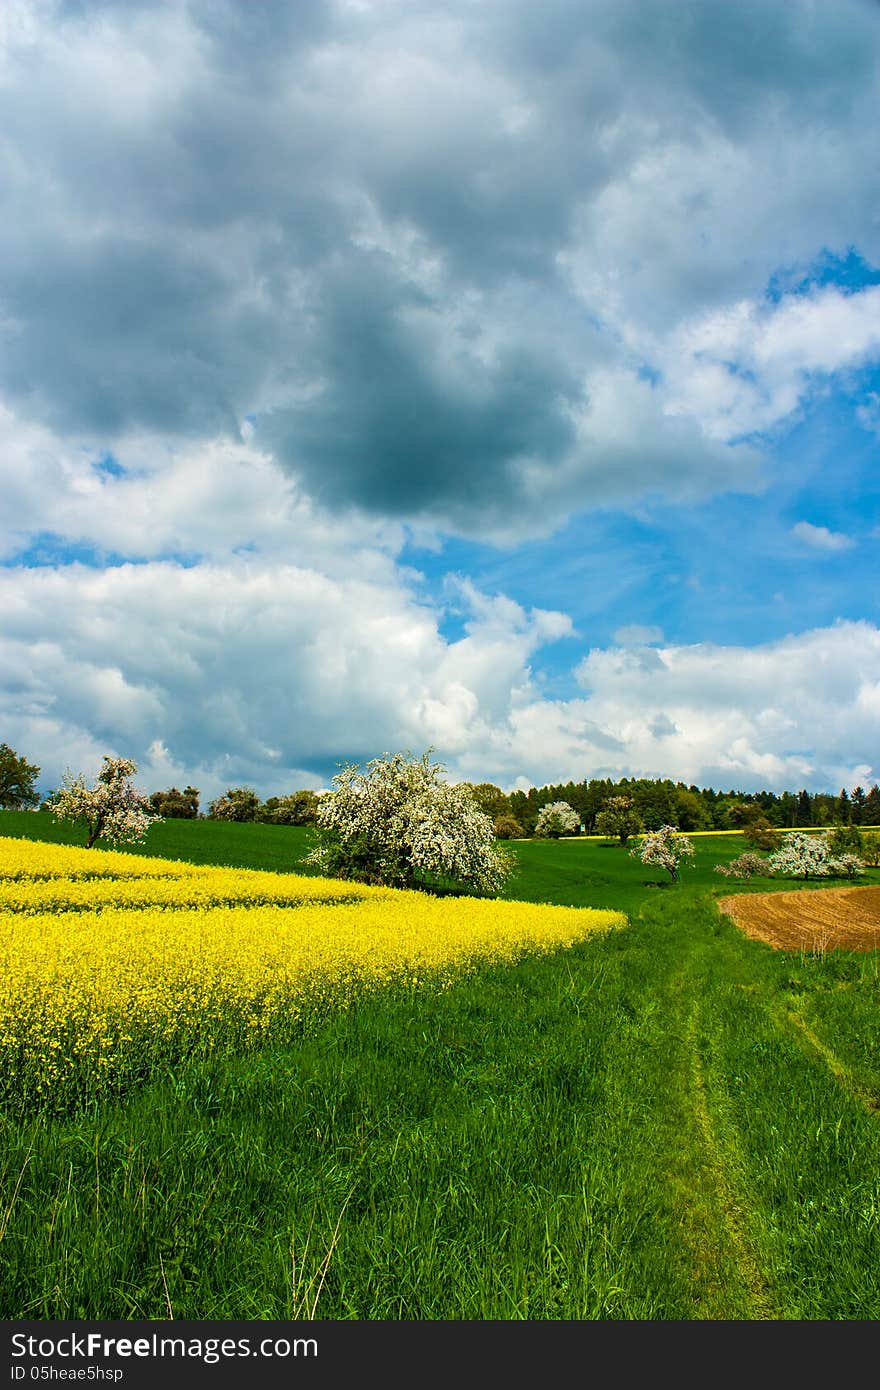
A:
(672, 1122)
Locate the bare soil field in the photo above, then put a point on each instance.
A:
(815, 919)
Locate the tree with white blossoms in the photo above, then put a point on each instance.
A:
(809, 856)
(398, 823)
(112, 809)
(555, 819)
(847, 866)
(664, 847)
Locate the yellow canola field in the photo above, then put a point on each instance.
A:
(30, 863)
(103, 979)
(216, 888)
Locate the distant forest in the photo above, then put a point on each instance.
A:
(661, 802)
(657, 801)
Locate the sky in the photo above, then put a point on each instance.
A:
(492, 378)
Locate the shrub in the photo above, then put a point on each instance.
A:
(297, 809)
(745, 866)
(239, 804)
(508, 828)
(176, 805)
(870, 851)
(846, 866)
(802, 856)
(845, 839)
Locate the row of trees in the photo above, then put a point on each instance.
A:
(18, 792)
(243, 804)
(398, 823)
(236, 804)
(660, 801)
(653, 802)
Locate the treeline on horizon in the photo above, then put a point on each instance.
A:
(660, 801)
(657, 801)
(654, 802)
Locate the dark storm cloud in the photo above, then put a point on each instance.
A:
(362, 226)
(400, 417)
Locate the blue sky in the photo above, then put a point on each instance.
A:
(500, 379)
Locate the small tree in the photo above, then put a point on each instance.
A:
(297, 809)
(760, 833)
(400, 824)
(845, 839)
(239, 804)
(618, 819)
(112, 809)
(17, 778)
(745, 866)
(556, 819)
(666, 848)
(491, 800)
(176, 805)
(870, 852)
(508, 828)
(802, 856)
(846, 866)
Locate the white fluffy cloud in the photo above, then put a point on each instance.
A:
(748, 366)
(196, 500)
(246, 672)
(821, 538)
(800, 711)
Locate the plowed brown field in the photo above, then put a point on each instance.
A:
(811, 919)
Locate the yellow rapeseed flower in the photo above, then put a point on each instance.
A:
(111, 963)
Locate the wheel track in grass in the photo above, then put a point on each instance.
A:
(719, 1162)
(722, 1231)
(788, 1014)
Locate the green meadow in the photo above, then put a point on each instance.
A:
(666, 1122)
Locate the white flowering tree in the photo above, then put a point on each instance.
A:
(847, 866)
(399, 823)
(555, 819)
(666, 848)
(113, 809)
(809, 856)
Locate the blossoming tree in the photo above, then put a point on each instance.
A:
(557, 819)
(809, 856)
(112, 809)
(400, 824)
(664, 847)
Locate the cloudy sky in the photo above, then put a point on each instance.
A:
(496, 377)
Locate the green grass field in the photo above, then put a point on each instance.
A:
(668, 1122)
